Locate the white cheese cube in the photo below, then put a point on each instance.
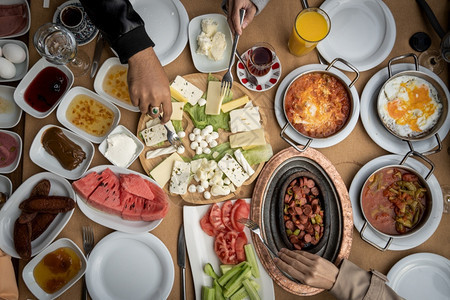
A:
(154, 135)
(243, 162)
(245, 119)
(233, 170)
(180, 177)
(177, 111)
(187, 90)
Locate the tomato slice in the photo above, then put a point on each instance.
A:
(226, 214)
(241, 241)
(240, 210)
(224, 246)
(215, 217)
(206, 225)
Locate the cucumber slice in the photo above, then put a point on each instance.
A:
(251, 259)
(209, 270)
(225, 268)
(208, 293)
(252, 292)
(240, 294)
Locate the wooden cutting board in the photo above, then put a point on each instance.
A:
(200, 80)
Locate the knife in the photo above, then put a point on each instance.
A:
(181, 255)
(97, 54)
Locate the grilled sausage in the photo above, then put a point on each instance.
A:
(40, 223)
(48, 204)
(22, 239)
(42, 188)
(26, 217)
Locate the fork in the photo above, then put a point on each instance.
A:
(255, 229)
(173, 139)
(88, 245)
(227, 80)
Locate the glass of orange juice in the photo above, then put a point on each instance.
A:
(311, 26)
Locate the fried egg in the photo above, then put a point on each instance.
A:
(409, 106)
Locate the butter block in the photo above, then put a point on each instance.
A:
(248, 138)
(226, 107)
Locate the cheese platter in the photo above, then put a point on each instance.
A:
(223, 149)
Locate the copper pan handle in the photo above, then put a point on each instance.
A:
(287, 140)
(361, 233)
(416, 62)
(348, 65)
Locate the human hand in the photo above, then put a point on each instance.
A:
(148, 84)
(233, 14)
(308, 268)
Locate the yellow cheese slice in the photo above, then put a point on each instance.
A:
(226, 107)
(248, 138)
(177, 96)
(213, 98)
(177, 111)
(162, 172)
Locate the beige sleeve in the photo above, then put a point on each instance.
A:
(354, 283)
(8, 284)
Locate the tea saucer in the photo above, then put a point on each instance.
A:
(265, 82)
(84, 36)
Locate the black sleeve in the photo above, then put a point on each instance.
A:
(120, 24)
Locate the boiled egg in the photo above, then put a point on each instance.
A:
(14, 53)
(409, 106)
(7, 69)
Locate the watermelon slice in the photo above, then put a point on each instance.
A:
(133, 206)
(136, 185)
(86, 185)
(158, 207)
(106, 196)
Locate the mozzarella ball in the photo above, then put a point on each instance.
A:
(209, 128)
(214, 134)
(198, 138)
(208, 138)
(181, 134)
(196, 131)
(200, 189)
(191, 137)
(181, 149)
(203, 144)
(204, 184)
(199, 150)
(192, 188)
(14, 53)
(212, 144)
(194, 145)
(201, 102)
(206, 150)
(7, 69)
(207, 195)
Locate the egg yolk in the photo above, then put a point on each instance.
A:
(418, 105)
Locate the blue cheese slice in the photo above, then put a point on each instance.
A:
(245, 119)
(186, 90)
(180, 177)
(233, 170)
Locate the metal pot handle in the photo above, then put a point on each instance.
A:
(287, 140)
(361, 233)
(348, 65)
(433, 151)
(422, 157)
(416, 62)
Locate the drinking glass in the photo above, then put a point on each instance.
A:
(58, 45)
(260, 59)
(432, 60)
(311, 26)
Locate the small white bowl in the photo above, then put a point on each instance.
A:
(122, 129)
(47, 161)
(6, 186)
(19, 93)
(98, 84)
(30, 281)
(12, 167)
(64, 105)
(22, 68)
(28, 17)
(11, 117)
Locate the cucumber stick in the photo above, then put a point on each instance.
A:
(252, 292)
(208, 293)
(251, 259)
(228, 275)
(236, 282)
(240, 294)
(218, 291)
(209, 270)
(226, 268)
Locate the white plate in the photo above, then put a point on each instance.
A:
(375, 129)
(6, 186)
(200, 247)
(291, 132)
(201, 62)
(46, 161)
(27, 26)
(130, 266)
(400, 243)
(122, 129)
(19, 93)
(166, 22)
(12, 167)
(112, 221)
(67, 99)
(28, 277)
(10, 212)
(98, 84)
(265, 82)
(421, 276)
(362, 32)
(13, 113)
(22, 68)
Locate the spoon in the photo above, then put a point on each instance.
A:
(252, 79)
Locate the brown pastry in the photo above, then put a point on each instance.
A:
(22, 239)
(40, 223)
(49, 204)
(42, 188)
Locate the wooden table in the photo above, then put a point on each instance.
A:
(273, 26)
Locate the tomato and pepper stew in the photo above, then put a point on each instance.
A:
(317, 105)
(393, 200)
